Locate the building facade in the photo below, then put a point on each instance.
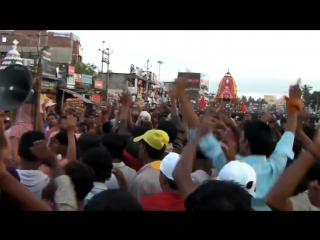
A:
(64, 47)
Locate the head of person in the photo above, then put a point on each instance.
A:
(113, 200)
(283, 122)
(256, 139)
(50, 106)
(26, 142)
(239, 172)
(91, 117)
(88, 141)
(132, 148)
(169, 128)
(52, 120)
(248, 116)
(82, 127)
(215, 195)
(166, 167)
(144, 116)
(152, 144)
(309, 131)
(62, 123)
(82, 177)
(146, 124)
(107, 127)
(100, 160)
(201, 162)
(115, 144)
(62, 140)
(162, 117)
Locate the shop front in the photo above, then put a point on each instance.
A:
(75, 100)
(70, 77)
(49, 88)
(98, 90)
(52, 77)
(86, 84)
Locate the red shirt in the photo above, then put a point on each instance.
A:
(131, 161)
(164, 201)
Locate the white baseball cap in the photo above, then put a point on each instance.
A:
(144, 115)
(240, 172)
(167, 165)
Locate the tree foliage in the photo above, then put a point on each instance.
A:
(248, 100)
(311, 99)
(86, 68)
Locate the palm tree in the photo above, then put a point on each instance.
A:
(306, 89)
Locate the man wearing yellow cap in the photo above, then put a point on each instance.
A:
(152, 147)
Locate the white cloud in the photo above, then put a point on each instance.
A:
(262, 62)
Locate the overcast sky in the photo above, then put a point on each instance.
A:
(262, 62)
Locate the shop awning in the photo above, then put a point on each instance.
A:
(77, 95)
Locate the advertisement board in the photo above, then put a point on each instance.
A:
(204, 82)
(51, 70)
(77, 77)
(48, 85)
(98, 84)
(193, 80)
(71, 70)
(167, 86)
(86, 79)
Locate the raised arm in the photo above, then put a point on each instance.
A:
(125, 100)
(183, 169)
(279, 196)
(177, 144)
(72, 148)
(188, 113)
(283, 150)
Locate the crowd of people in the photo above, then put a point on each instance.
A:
(123, 158)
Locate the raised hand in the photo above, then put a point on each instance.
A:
(181, 86)
(202, 130)
(295, 90)
(125, 98)
(229, 146)
(43, 153)
(71, 123)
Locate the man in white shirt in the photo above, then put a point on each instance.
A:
(99, 159)
(115, 144)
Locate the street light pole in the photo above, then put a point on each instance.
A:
(159, 62)
(147, 85)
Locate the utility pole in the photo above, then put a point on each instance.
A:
(38, 77)
(147, 85)
(107, 61)
(159, 62)
(102, 56)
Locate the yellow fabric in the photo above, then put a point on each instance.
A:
(13, 116)
(155, 138)
(156, 165)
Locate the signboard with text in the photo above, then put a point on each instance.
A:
(98, 84)
(86, 79)
(193, 80)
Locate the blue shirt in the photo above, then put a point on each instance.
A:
(268, 170)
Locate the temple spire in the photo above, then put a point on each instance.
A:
(12, 57)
